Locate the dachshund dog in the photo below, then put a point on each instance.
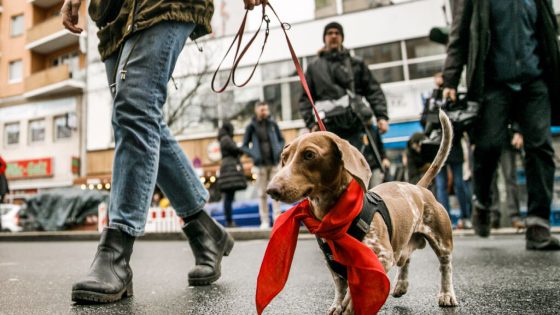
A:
(320, 165)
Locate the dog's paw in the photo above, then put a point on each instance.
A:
(447, 300)
(400, 288)
(335, 309)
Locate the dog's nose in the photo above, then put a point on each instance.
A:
(273, 191)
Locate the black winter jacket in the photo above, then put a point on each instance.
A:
(328, 79)
(469, 42)
(231, 177)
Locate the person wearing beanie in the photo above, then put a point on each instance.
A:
(329, 78)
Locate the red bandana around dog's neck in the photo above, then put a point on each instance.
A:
(368, 283)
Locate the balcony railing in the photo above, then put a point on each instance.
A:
(56, 80)
(49, 36)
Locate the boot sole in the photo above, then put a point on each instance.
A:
(210, 279)
(85, 297)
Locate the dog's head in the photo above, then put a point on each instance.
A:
(315, 163)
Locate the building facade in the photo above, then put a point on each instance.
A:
(42, 81)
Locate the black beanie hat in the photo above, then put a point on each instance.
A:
(333, 25)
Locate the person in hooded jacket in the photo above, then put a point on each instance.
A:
(232, 178)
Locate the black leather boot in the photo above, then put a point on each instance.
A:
(539, 238)
(110, 277)
(209, 241)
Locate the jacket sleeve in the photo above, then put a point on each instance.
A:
(458, 46)
(246, 140)
(228, 145)
(373, 93)
(305, 108)
(281, 140)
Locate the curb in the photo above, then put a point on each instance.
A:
(239, 234)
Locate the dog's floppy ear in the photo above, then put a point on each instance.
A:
(353, 161)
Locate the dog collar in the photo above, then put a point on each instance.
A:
(359, 228)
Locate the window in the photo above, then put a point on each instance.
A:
(71, 59)
(11, 131)
(423, 47)
(389, 74)
(37, 130)
(273, 96)
(62, 129)
(425, 69)
(357, 5)
(296, 90)
(279, 70)
(15, 74)
(324, 8)
(17, 25)
(380, 53)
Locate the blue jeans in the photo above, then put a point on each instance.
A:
(459, 186)
(146, 152)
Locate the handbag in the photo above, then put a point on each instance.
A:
(104, 11)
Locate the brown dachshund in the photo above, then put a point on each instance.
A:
(320, 165)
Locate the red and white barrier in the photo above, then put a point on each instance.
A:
(163, 220)
(159, 220)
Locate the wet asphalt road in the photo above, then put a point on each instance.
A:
(493, 276)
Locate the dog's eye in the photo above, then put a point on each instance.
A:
(308, 155)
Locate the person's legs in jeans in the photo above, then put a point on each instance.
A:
(460, 191)
(441, 188)
(490, 135)
(144, 148)
(534, 113)
(262, 182)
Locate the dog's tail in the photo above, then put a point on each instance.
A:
(443, 152)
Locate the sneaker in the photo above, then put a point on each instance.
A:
(467, 224)
(481, 222)
(539, 238)
(264, 226)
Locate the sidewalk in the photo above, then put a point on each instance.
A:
(240, 234)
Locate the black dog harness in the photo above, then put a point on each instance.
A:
(359, 228)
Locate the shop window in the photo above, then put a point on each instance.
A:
(358, 5)
(423, 47)
(15, 71)
(425, 69)
(17, 25)
(380, 53)
(324, 8)
(389, 74)
(37, 130)
(11, 131)
(62, 128)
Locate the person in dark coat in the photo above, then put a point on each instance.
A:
(232, 177)
(329, 78)
(512, 55)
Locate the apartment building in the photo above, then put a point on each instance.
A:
(42, 81)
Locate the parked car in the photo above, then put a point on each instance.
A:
(245, 208)
(10, 217)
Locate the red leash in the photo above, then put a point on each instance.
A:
(238, 56)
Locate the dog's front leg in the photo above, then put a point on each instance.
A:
(340, 286)
(347, 306)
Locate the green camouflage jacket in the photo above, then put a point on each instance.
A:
(136, 15)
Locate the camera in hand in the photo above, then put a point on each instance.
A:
(462, 114)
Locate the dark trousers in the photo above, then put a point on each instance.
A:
(229, 195)
(529, 107)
